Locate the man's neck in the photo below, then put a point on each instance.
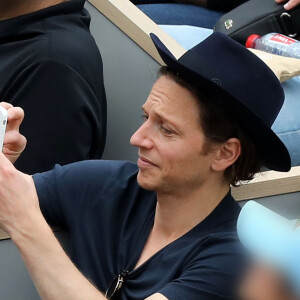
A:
(15, 8)
(177, 214)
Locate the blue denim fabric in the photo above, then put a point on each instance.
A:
(287, 125)
(181, 14)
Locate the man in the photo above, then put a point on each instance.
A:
(275, 243)
(199, 13)
(50, 66)
(167, 228)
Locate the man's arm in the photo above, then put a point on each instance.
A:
(54, 275)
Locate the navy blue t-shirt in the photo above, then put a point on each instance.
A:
(109, 217)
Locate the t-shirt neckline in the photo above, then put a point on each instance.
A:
(204, 227)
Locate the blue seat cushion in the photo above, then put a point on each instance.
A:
(287, 125)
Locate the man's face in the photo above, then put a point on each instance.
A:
(170, 141)
(263, 283)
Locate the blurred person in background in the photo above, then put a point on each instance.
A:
(50, 65)
(274, 244)
(200, 13)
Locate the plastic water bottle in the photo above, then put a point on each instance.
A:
(275, 43)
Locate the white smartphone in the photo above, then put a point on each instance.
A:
(3, 122)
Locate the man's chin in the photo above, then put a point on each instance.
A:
(146, 181)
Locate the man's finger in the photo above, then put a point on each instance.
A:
(14, 143)
(15, 118)
(6, 105)
(291, 4)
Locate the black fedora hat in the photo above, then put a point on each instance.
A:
(249, 90)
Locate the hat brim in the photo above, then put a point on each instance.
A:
(273, 153)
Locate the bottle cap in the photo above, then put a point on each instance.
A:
(251, 39)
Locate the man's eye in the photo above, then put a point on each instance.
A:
(165, 130)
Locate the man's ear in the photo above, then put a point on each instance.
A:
(227, 155)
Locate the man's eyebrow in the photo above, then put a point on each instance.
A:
(163, 118)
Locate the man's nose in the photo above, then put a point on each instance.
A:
(142, 138)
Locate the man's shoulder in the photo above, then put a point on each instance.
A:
(224, 240)
(71, 46)
(219, 250)
(112, 171)
(95, 169)
(89, 179)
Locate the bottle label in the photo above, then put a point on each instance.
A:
(282, 39)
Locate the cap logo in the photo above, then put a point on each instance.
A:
(228, 24)
(217, 81)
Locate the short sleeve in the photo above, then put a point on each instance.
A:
(64, 191)
(65, 121)
(212, 275)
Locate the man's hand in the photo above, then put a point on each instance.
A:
(19, 207)
(290, 4)
(14, 142)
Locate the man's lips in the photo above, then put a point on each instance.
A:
(144, 162)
